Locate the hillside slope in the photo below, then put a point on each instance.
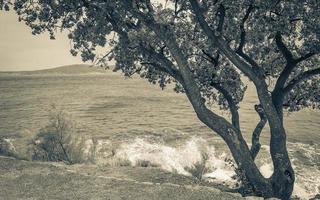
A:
(34, 180)
(68, 69)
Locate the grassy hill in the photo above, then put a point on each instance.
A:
(71, 69)
(68, 69)
(35, 180)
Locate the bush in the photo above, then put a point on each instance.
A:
(145, 163)
(56, 141)
(7, 148)
(119, 162)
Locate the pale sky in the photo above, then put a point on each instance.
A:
(22, 51)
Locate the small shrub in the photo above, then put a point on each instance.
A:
(56, 141)
(198, 169)
(123, 163)
(119, 162)
(316, 197)
(145, 163)
(7, 148)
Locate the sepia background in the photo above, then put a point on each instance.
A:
(129, 115)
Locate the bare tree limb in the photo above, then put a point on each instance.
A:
(284, 75)
(283, 48)
(232, 105)
(166, 65)
(240, 50)
(255, 147)
(211, 59)
(221, 14)
(243, 32)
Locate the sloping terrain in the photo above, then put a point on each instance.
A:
(35, 180)
(69, 69)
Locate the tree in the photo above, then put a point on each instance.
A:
(206, 48)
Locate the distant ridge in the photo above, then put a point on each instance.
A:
(68, 69)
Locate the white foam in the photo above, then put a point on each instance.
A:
(9, 144)
(266, 170)
(176, 159)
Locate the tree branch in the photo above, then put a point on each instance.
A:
(255, 147)
(232, 105)
(221, 14)
(240, 51)
(211, 59)
(166, 65)
(164, 69)
(291, 64)
(243, 32)
(283, 48)
(305, 57)
(284, 75)
(149, 6)
(222, 44)
(305, 75)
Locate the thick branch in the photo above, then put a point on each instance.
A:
(277, 93)
(221, 14)
(255, 147)
(281, 81)
(243, 32)
(232, 105)
(305, 75)
(240, 51)
(162, 68)
(166, 65)
(283, 48)
(291, 64)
